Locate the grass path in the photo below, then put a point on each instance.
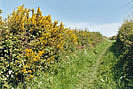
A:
(79, 71)
(88, 81)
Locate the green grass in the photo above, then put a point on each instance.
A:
(106, 76)
(69, 73)
(77, 70)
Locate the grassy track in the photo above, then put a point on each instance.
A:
(91, 76)
(84, 69)
(109, 75)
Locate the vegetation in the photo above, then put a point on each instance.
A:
(69, 73)
(125, 44)
(32, 43)
(38, 53)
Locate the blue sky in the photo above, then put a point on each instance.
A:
(104, 16)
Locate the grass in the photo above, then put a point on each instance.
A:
(76, 71)
(106, 77)
(70, 73)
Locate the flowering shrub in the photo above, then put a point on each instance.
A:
(88, 39)
(31, 42)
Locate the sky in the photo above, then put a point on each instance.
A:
(104, 16)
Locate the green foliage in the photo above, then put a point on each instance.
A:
(88, 39)
(125, 45)
(31, 43)
(69, 73)
(28, 45)
(113, 38)
(10, 49)
(109, 74)
(0, 17)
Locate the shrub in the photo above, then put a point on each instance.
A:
(125, 45)
(31, 42)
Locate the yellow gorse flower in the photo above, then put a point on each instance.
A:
(29, 71)
(31, 76)
(24, 71)
(40, 53)
(43, 38)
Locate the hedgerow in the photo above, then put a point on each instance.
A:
(31, 42)
(125, 45)
(88, 39)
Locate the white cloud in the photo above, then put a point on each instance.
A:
(105, 29)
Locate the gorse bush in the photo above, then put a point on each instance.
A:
(31, 42)
(88, 39)
(125, 45)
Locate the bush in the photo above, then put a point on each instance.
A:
(88, 39)
(125, 45)
(31, 42)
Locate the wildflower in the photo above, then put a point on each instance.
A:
(29, 71)
(31, 76)
(40, 53)
(24, 70)
(36, 58)
(10, 71)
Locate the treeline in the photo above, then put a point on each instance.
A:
(31, 43)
